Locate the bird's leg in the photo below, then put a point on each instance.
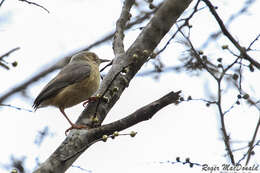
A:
(73, 126)
(90, 99)
(63, 113)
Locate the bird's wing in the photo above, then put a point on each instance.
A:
(70, 74)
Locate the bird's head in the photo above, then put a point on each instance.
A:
(88, 56)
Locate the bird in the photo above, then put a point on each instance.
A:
(75, 83)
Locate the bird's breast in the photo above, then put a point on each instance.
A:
(80, 91)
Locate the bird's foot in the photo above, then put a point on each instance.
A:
(75, 126)
(90, 99)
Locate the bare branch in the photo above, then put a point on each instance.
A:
(229, 36)
(186, 23)
(15, 107)
(241, 11)
(9, 52)
(142, 114)
(2, 3)
(118, 45)
(38, 5)
(251, 143)
(3, 62)
(251, 44)
(4, 66)
(195, 54)
(226, 137)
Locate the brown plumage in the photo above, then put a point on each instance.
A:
(75, 83)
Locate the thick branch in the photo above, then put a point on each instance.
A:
(118, 45)
(142, 114)
(123, 70)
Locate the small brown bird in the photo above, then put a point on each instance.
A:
(75, 83)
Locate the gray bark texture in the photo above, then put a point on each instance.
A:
(125, 65)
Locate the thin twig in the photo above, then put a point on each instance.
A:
(197, 56)
(230, 108)
(241, 11)
(251, 143)
(240, 76)
(3, 65)
(201, 99)
(251, 44)
(221, 113)
(229, 36)
(15, 107)
(219, 100)
(9, 52)
(244, 155)
(186, 23)
(3, 62)
(226, 137)
(38, 5)
(109, 64)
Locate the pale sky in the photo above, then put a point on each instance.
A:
(188, 130)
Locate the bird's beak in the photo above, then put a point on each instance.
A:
(104, 60)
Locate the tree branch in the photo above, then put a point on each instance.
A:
(243, 10)
(142, 114)
(38, 5)
(118, 45)
(2, 61)
(117, 79)
(1, 3)
(9, 52)
(229, 36)
(251, 143)
(226, 137)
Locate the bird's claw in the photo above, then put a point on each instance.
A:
(75, 126)
(90, 99)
